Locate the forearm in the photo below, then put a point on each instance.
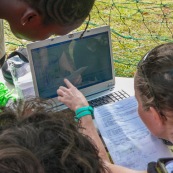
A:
(90, 130)
(75, 100)
(119, 169)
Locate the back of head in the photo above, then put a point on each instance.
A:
(63, 12)
(154, 78)
(55, 142)
(16, 159)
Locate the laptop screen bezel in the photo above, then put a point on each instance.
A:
(88, 90)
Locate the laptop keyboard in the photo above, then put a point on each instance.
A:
(110, 98)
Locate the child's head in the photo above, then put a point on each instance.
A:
(33, 139)
(38, 19)
(154, 89)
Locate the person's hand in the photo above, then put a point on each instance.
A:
(71, 96)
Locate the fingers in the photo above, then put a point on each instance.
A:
(60, 99)
(64, 89)
(68, 83)
(60, 92)
(62, 96)
(71, 96)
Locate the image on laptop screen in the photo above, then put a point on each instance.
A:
(84, 61)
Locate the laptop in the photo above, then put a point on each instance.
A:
(87, 62)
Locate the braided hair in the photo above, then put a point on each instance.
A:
(63, 12)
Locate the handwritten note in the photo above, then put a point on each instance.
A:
(129, 142)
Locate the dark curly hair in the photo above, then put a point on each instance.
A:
(63, 12)
(154, 78)
(17, 159)
(52, 139)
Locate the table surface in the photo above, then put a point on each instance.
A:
(122, 83)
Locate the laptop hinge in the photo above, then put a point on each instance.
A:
(110, 85)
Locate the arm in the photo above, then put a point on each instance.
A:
(119, 169)
(74, 99)
(91, 131)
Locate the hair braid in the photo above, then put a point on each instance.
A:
(64, 12)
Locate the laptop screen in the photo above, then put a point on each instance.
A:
(84, 61)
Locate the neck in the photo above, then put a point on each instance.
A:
(168, 132)
(170, 137)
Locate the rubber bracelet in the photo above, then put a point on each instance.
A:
(84, 111)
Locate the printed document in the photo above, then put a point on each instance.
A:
(129, 142)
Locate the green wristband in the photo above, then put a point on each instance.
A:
(83, 111)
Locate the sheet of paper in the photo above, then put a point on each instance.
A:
(129, 142)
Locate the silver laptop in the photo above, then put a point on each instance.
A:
(87, 62)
